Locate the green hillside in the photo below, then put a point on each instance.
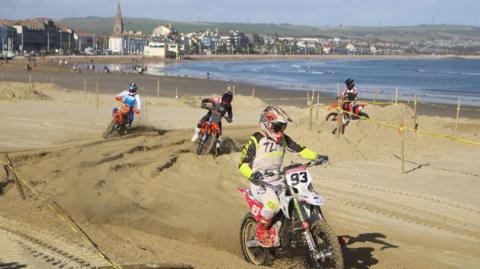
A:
(400, 33)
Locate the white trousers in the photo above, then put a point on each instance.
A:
(269, 199)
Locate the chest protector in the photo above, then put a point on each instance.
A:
(269, 155)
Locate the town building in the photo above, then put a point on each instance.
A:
(7, 38)
(125, 42)
(40, 34)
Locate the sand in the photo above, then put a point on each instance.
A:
(147, 197)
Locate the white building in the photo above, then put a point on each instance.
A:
(351, 48)
(127, 44)
(163, 49)
(115, 44)
(162, 31)
(155, 49)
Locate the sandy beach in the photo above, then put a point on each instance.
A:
(148, 198)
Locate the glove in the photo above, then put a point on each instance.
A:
(118, 98)
(136, 110)
(229, 119)
(321, 159)
(256, 176)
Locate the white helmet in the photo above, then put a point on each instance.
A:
(273, 121)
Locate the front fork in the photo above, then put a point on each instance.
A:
(307, 235)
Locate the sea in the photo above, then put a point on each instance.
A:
(432, 80)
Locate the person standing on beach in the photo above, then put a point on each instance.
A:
(349, 95)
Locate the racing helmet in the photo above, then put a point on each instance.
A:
(227, 98)
(350, 83)
(273, 122)
(132, 88)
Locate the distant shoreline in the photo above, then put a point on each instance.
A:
(240, 57)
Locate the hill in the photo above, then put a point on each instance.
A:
(104, 25)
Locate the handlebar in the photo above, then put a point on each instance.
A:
(281, 172)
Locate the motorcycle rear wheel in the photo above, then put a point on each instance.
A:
(253, 255)
(325, 239)
(110, 129)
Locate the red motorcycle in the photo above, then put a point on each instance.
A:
(209, 133)
(355, 115)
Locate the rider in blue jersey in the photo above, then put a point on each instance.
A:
(132, 99)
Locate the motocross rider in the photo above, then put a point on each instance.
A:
(265, 150)
(349, 95)
(132, 99)
(222, 106)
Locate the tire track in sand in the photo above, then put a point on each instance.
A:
(43, 250)
(402, 212)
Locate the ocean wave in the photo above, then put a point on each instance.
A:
(448, 72)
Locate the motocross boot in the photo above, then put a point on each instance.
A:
(196, 134)
(219, 143)
(263, 233)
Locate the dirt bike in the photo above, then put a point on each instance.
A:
(209, 133)
(119, 121)
(299, 224)
(358, 113)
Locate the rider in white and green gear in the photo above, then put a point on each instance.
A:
(265, 150)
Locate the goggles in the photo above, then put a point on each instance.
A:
(279, 126)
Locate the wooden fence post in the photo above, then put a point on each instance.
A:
(396, 95)
(233, 92)
(158, 88)
(458, 115)
(375, 97)
(311, 117)
(253, 92)
(176, 92)
(339, 111)
(415, 103)
(2, 78)
(51, 79)
(15, 177)
(98, 96)
(30, 78)
(318, 104)
(402, 138)
(308, 98)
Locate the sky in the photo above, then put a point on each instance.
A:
(300, 12)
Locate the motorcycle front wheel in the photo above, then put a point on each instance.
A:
(332, 116)
(253, 255)
(327, 242)
(110, 129)
(363, 116)
(205, 147)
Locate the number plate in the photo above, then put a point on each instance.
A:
(298, 178)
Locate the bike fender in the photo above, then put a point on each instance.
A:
(311, 198)
(285, 203)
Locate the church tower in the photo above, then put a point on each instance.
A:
(118, 26)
